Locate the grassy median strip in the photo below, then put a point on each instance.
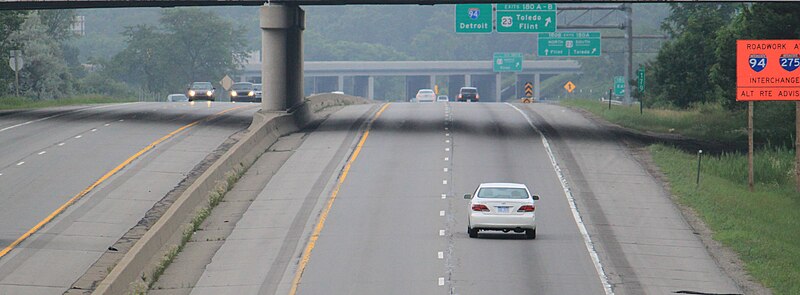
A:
(763, 227)
(9, 103)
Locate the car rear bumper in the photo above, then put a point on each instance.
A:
(484, 221)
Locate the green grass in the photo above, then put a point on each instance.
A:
(10, 102)
(706, 122)
(763, 227)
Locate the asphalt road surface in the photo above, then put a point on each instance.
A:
(49, 156)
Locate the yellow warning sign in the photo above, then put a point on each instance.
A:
(569, 86)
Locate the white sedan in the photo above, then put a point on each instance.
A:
(502, 207)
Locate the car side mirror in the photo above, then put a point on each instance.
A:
(467, 196)
(535, 197)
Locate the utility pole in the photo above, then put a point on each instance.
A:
(629, 50)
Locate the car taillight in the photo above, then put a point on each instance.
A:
(459, 96)
(526, 208)
(477, 96)
(480, 207)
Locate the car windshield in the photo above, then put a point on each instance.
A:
(502, 193)
(242, 86)
(201, 86)
(257, 87)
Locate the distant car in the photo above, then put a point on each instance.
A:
(201, 91)
(259, 91)
(425, 95)
(177, 97)
(442, 98)
(502, 207)
(243, 92)
(468, 94)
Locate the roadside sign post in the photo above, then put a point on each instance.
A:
(619, 85)
(507, 62)
(609, 98)
(576, 44)
(641, 85)
(766, 71)
(16, 63)
(525, 18)
(473, 18)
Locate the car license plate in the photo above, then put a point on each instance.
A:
(502, 209)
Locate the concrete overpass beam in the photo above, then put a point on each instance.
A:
(282, 56)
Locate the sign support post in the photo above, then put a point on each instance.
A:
(750, 176)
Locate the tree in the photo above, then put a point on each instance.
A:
(44, 75)
(189, 45)
(10, 22)
(682, 67)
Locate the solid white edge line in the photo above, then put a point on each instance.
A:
(59, 115)
(575, 214)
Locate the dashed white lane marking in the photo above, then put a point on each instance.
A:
(447, 134)
(446, 158)
(121, 120)
(445, 169)
(93, 129)
(440, 255)
(1, 174)
(446, 149)
(444, 181)
(441, 281)
(441, 213)
(444, 196)
(441, 232)
(61, 144)
(106, 124)
(79, 136)
(575, 214)
(20, 163)
(447, 141)
(42, 152)
(445, 128)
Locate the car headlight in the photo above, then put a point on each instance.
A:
(233, 93)
(209, 93)
(250, 93)
(191, 93)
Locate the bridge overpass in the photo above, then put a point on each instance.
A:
(327, 76)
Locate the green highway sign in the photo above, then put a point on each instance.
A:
(526, 18)
(507, 62)
(640, 74)
(569, 44)
(619, 85)
(473, 18)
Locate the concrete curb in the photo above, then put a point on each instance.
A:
(265, 130)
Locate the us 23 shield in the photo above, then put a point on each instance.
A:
(757, 62)
(789, 62)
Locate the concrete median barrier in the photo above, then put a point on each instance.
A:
(167, 232)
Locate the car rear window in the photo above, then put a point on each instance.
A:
(502, 193)
(469, 90)
(426, 92)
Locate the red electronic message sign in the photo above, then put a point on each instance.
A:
(767, 70)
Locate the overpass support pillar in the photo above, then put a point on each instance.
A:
(282, 56)
(363, 86)
(467, 80)
(340, 80)
(371, 87)
(537, 86)
(498, 87)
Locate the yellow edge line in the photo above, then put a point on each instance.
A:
(85, 191)
(301, 267)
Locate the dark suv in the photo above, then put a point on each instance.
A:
(201, 91)
(468, 94)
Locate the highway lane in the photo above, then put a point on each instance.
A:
(46, 162)
(391, 232)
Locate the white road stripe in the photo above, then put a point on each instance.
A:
(447, 141)
(42, 152)
(440, 255)
(79, 136)
(444, 181)
(54, 116)
(441, 232)
(447, 134)
(93, 129)
(61, 144)
(441, 213)
(441, 281)
(106, 124)
(20, 163)
(446, 159)
(575, 214)
(444, 196)
(446, 149)
(445, 169)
